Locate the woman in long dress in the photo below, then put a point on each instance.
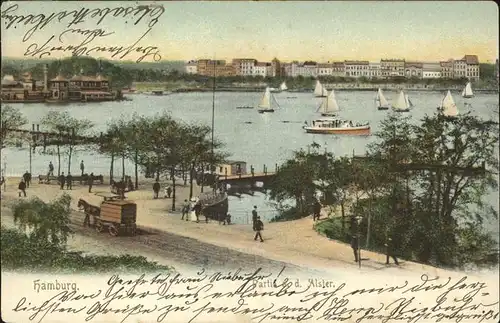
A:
(192, 214)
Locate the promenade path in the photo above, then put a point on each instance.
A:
(293, 242)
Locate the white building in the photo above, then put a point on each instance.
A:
(459, 68)
(244, 66)
(324, 69)
(471, 67)
(262, 69)
(374, 69)
(192, 67)
(357, 68)
(307, 69)
(431, 70)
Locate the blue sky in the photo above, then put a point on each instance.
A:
(322, 31)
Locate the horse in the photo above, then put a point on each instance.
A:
(89, 210)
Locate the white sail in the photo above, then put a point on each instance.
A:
(402, 103)
(329, 104)
(409, 104)
(319, 90)
(467, 92)
(283, 87)
(325, 92)
(448, 106)
(382, 101)
(265, 102)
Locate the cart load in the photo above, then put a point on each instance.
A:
(119, 215)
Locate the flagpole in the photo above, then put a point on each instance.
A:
(213, 118)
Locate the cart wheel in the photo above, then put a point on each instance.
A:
(99, 227)
(113, 230)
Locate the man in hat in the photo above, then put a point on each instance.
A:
(156, 189)
(62, 180)
(22, 187)
(389, 248)
(185, 210)
(259, 226)
(355, 247)
(254, 217)
(69, 182)
(317, 210)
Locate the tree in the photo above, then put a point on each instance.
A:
(11, 119)
(47, 223)
(295, 179)
(68, 128)
(451, 193)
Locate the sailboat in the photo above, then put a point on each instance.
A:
(329, 106)
(402, 104)
(467, 92)
(408, 102)
(283, 87)
(382, 103)
(319, 90)
(265, 102)
(448, 106)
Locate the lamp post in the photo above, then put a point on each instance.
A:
(358, 219)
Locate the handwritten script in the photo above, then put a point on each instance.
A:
(81, 41)
(265, 297)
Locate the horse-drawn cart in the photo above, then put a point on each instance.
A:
(118, 216)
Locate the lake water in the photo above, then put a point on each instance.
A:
(267, 140)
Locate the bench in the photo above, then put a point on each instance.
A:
(99, 179)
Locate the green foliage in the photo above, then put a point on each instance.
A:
(39, 244)
(418, 185)
(22, 252)
(47, 223)
(295, 179)
(11, 118)
(69, 128)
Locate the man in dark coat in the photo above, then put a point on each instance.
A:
(156, 189)
(197, 210)
(62, 180)
(26, 177)
(51, 169)
(185, 210)
(91, 182)
(259, 226)
(169, 191)
(389, 248)
(69, 182)
(254, 217)
(317, 210)
(355, 247)
(22, 187)
(82, 167)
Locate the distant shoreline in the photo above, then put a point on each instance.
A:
(365, 89)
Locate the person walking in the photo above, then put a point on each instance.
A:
(91, 182)
(355, 247)
(51, 170)
(259, 226)
(69, 182)
(169, 191)
(156, 189)
(197, 210)
(254, 217)
(389, 251)
(316, 210)
(22, 187)
(26, 177)
(62, 179)
(82, 167)
(185, 210)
